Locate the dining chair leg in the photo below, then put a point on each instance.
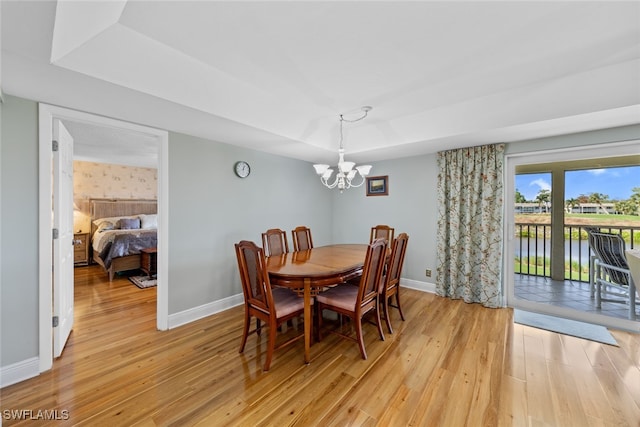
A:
(387, 319)
(358, 323)
(378, 322)
(315, 337)
(270, 346)
(399, 306)
(258, 326)
(245, 332)
(318, 324)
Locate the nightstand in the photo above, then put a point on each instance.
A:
(81, 249)
(149, 261)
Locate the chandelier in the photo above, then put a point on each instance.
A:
(347, 171)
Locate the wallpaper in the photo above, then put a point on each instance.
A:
(108, 181)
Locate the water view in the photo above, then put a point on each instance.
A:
(605, 198)
(573, 250)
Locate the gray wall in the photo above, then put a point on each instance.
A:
(19, 237)
(410, 208)
(210, 209)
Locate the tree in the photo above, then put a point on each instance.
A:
(583, 199)
(598, 199)
(544, 198)
(634, 201)
(519, 197)
(570, 204)
(626, 207)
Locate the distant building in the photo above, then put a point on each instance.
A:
(527, 208)
(584, 208)
(594, 208)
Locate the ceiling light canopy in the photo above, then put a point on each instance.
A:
(347, 171)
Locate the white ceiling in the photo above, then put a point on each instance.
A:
(274, 76)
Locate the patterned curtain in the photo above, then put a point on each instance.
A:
(470, 206)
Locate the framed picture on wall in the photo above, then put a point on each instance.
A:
(378, 185)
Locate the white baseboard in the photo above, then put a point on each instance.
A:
(192, 314)
(19, 371)
(418, 286)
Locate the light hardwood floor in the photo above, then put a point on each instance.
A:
(448, 364)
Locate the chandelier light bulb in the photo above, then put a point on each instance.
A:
(364, 169)
(320, 169)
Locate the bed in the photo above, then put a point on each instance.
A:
(120, 229)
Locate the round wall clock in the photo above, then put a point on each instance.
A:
(242, 169)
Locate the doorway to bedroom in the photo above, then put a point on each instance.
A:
(112, 160)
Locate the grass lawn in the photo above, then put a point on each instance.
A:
(583, 219)
(608, 219)
(536, 267)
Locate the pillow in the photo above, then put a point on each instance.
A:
(99, 221)
(104, 226)
(113, 220)
(148, 221)
(128, 223)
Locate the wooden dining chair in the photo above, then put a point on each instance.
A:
(301, 237)
(274, 242)
(390, 283)
(273, 306)
(356, 301)
(382, 231)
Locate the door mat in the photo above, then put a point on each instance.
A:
(574, 328)
(143, 282)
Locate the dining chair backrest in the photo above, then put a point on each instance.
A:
(372, 271)
(254, 276)
(301, 237)
(274, 242)
(382, 231)
(610, 250)
(396, 261)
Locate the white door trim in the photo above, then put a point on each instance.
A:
(45, 134)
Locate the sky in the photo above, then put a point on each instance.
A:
(613, 182)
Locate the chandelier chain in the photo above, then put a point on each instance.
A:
(342, 119)
(346, 171)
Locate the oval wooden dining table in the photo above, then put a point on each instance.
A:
(308, 272)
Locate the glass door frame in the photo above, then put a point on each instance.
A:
(512, 161)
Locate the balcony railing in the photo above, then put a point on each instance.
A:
(533, 248)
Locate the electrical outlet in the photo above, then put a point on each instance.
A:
(428, 272)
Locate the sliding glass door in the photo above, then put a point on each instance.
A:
(556, 197)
